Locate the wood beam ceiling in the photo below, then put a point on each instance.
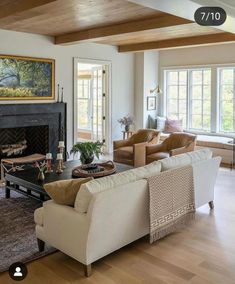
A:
(119, 29)
(179, 42)
(135, 35)
(11, 8)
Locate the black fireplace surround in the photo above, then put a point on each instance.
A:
(42, 125)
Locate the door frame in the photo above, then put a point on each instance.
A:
(108, 88)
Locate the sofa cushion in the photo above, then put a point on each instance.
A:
(125, 152)
(87, 190)
(160, 123)
(213, 141)
(64, 192)
(38, 216)
(185, 159)
(229, 145)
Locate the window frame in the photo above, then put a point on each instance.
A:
(189, 99)
(88, 99)
(178, 87)
(220, 85)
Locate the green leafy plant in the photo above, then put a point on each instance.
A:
(87, 150)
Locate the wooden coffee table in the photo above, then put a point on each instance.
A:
(26, 182)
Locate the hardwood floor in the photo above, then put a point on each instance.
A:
(203, 253)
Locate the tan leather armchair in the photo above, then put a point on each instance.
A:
(133, 150)
(175, 144)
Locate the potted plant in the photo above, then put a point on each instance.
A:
(87, 150)
(126, 121)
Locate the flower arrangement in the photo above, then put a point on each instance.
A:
(126, 121)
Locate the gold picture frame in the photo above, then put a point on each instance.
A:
(26, 78)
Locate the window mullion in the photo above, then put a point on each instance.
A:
(233, 100)
(178, 103)
(189, 98)
(202, 100)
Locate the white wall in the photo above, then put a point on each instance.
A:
(22, 44)
(139, 90)
(213, 54)
(146, 79)
(150, 80)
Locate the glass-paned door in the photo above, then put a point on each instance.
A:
(97, 103)
(91, 104)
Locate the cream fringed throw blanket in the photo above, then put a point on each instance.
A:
(171, 201)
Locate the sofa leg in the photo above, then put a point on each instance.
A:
(211, 205)
(87, 270)
(41, 245)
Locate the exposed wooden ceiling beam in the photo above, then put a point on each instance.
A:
(179, 42)
(20, 6)
(118, 29)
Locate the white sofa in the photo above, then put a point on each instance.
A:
(112, 212)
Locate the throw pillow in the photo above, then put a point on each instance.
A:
(174, 125)
(160, 123)
(64, 192)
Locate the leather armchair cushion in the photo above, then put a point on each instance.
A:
(157, 156)
(125, 152)
(178, 140)
(143, 135)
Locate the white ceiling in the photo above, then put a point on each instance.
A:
(187, 8)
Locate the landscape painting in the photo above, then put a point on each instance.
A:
(25, 78)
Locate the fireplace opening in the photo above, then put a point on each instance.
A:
(23, 141)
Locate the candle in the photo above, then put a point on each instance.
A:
(61, 144)
(59, 156)
(48, 156)
(58, 90)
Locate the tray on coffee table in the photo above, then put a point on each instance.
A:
(94, 170)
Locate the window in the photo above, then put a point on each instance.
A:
(200, 100)
(84, 103)
(226, 99)
(177, 95)
(188, 94)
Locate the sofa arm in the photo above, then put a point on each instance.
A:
(66, 229)
(139, 154)
(120, 143)
(154, 149)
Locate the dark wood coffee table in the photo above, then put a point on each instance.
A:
(26, 182)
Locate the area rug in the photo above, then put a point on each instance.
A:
(18, 241)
